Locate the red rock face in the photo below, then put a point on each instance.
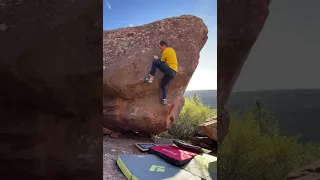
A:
(129, 102)
(239, 25)
(50, 110)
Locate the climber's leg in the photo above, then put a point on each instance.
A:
(165, 69)
(165, 81)
(162, 66)
(155, 64)
(152, 72)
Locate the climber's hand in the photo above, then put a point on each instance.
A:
(155, 57)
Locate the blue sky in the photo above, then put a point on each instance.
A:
(125, 13)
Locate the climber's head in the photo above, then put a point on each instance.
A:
(163, 45)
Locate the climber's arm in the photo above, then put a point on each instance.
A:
(155, 57)
(164, 56)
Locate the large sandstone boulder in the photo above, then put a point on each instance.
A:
(130, 103)
(50, 110)
(239, 25)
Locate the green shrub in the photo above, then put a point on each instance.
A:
(192, 114)
(254, 149)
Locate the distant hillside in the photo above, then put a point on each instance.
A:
(298, 111)
(208, 97)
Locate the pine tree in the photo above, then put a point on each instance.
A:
(267, 122)
(197, 100)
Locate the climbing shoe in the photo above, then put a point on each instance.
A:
(164, 101)
(148, 80)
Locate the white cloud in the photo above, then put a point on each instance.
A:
(108, 4)
(130, 25)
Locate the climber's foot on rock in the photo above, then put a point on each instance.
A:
(148, 80)
(164, 101)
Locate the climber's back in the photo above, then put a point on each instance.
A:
(169, 56)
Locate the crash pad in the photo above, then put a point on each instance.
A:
(172, 154)
(188, 147)
(147, 167)
(203, 166)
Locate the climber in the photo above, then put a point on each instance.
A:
(168, 64)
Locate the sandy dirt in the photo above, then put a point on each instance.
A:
(124, 144)
(112, 147)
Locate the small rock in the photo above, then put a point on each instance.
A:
(107, 131)
(115, 135)
(209, 128)
(311, 171)
(113, 150)
(153, 137)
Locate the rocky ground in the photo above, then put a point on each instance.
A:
(112, 147)
(309, 172)
(124, 144)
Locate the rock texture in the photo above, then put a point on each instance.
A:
(239, 25)
(130, 103)
(206, 143)
(309, 172)
(207, 136)
(50, 100)
(209, 128)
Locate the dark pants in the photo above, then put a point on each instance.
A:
(169, 74)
